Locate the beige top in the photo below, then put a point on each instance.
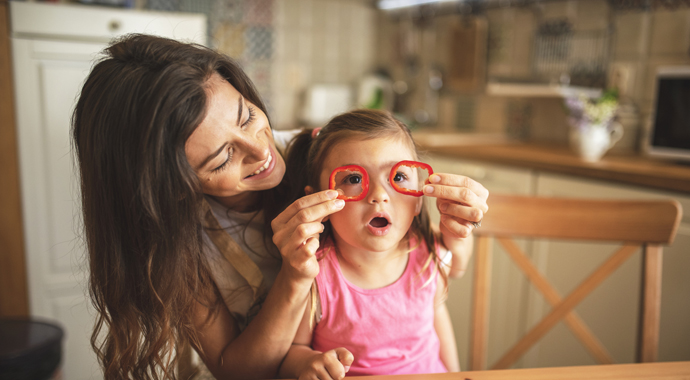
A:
(243, 283)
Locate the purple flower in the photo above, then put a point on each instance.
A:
(584, 112)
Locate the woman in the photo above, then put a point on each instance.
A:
(180, 185)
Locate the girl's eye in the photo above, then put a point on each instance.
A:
(400, 177)
(352, 179)
(224, 164)
(252, 114)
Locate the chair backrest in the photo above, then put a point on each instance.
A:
(646, 224)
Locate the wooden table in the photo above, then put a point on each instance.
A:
(664, 370)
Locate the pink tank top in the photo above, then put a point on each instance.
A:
(389, 330)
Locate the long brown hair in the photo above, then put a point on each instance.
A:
(141, 200)
(306, 155)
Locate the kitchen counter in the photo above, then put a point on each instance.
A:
(630, 169)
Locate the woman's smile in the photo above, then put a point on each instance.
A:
(265, 169)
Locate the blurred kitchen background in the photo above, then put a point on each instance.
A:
(467, 66)
(493, 71)
(470, 66)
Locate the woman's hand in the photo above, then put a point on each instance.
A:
(460, 201)
(296, 232)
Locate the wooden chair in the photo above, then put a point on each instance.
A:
(646, 224)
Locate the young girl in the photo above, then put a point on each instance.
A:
(378, 305)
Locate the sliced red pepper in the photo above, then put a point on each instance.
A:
(351, 168)
(412, 164)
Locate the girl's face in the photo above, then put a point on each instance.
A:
(379, 222)
(232, 151)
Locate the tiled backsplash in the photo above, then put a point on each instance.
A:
(646, 41)
(642, 41)
(288, 45)
(318, 42)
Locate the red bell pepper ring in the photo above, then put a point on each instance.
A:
(351, 168)
(411, 164)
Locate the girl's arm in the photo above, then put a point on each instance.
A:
(444, 330)
(304, 363)
(256, 352)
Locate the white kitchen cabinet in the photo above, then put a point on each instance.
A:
(53, 48)
(611, 311)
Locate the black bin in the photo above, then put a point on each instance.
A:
(29, 349)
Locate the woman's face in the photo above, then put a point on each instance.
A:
(232, 151)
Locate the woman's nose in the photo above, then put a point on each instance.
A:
(378, 192)
(255, 150)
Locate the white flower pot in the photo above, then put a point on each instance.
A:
(591, 142)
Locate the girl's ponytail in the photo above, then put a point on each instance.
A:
(296, 163)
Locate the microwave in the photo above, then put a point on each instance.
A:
(670, 122)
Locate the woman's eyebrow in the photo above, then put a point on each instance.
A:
(239, 109)
(212, 156)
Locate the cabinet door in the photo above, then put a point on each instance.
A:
(508, 284)
(611, 310)
(48, 74)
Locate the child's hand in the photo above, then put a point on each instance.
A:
(296, 231)
(460, 200)
(332, 364)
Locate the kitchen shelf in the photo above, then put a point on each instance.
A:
(531, 90)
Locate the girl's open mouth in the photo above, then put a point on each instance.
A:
(380, 224)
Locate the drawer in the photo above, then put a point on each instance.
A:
(41, 20)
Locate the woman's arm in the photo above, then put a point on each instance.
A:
(444, 330)
(461, 250)
(256, 352)
(460, 201)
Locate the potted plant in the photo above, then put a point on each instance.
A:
(593, 128)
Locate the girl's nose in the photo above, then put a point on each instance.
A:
(378, 192)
